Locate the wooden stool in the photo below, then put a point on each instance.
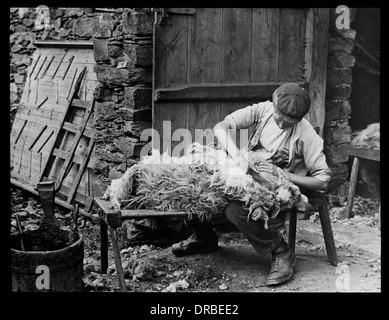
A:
(364, 154)
(321, 200)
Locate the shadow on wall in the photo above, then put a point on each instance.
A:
(365, 96)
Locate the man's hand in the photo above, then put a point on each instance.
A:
(266, 167)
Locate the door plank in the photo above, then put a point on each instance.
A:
(292, 44)
(236, 50)
(265, 47)
(205, 46)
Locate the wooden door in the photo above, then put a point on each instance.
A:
(209, 62)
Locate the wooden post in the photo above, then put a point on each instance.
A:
(352, 187)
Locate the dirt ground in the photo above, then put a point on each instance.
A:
(235, 266)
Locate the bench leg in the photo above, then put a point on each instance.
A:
(118, 261)
(292, 228)
(103, 246)
(327, 232)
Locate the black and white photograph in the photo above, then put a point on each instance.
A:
(194, 150)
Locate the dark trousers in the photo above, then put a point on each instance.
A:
(263, 240)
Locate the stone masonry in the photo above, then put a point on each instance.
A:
(337, 132)
(123, 53)
(65, 24)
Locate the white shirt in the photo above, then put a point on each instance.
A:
(273, 138)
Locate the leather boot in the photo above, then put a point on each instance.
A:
(283, 263)
(204, 239)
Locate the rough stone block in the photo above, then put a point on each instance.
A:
(337, 154)
(103, 25)
(114, 174)
(100, 50)
(337, 110)
(135, 115)
(72, 12)
(115, 51)
(137, 22)
(140, 56)
(339, 92)
(19, 28)
(340, 44)
(337, 76)
(104, 154)
(113, 76)
(13, 97)
(19, 78)
(102, 167)
(59, 13)
(102, 92)
(136, 128)
(16, 47)
(83, 27)
(128, 147)
(137, 97)
(338, 134)
(105, 111)
(341, 59)
(63, 33)
(20, 59)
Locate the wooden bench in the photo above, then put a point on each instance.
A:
(111, 218)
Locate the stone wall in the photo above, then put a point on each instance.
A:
(337, 131)
(123, 54)
(65, 24)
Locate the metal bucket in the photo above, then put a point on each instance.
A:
(49, 271)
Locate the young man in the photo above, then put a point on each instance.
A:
(284, 139)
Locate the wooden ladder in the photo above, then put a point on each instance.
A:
(64, 132)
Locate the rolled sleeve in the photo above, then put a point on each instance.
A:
(315, 159)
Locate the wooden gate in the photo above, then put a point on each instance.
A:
(209, 62)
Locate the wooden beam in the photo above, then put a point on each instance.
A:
(63, 44)
(76, 158)
(364, 153)
(88, 132)
(316, 64)
(220, 92)
(80, 103)
(109, 209)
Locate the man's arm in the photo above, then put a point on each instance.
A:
(223, 135)
(310, 183)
